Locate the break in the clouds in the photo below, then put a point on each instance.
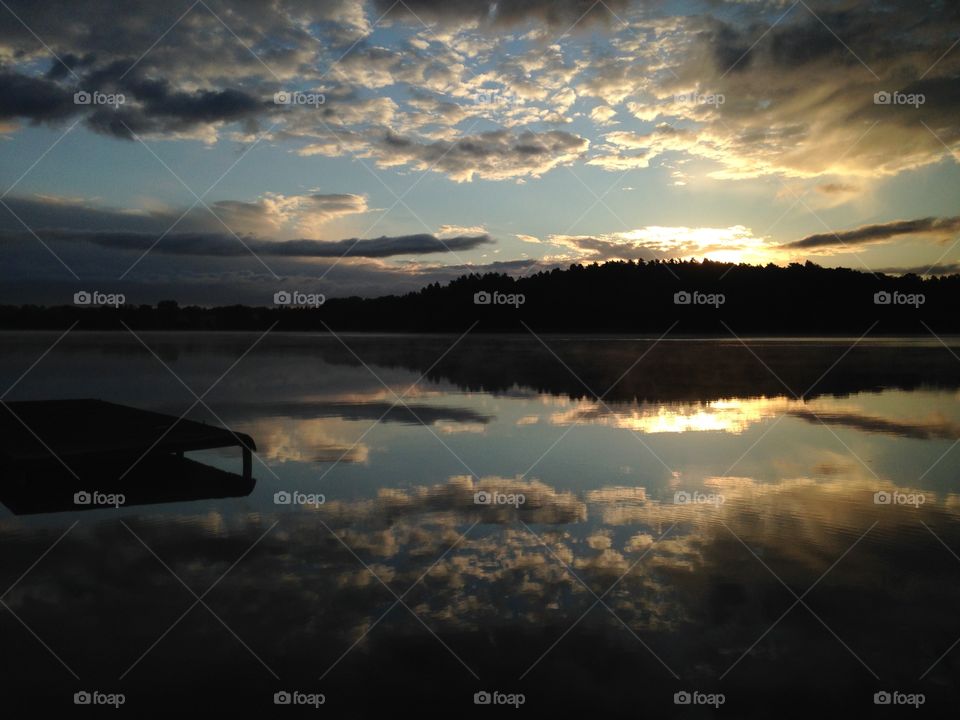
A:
(651, 243)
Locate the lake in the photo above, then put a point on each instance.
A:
(619, 525)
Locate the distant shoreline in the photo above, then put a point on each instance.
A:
(617, 298)
(578, 335)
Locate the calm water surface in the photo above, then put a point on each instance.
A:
(776, 522)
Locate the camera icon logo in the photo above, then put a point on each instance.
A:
(282, 298)
(82, 97)
(482, 498)
(282, 498)
(282, 97)
(882, 298)
(482, 298)
(482, 698)
(882, 98)
(882, 698)
(682, 298)
(282, 698)
(882, 497)
(682, 698)
(82, 498)
(681, 497)
(82, 298)
(82, 698)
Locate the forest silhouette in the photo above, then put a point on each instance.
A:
(690, 297)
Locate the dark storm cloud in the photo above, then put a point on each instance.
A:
(158, 98)
(68, 63)
(149, 106)
(412, 414)
(420, 244)
(34, 98)
(178, 112)
(940, 228)
(505, 12)
(226, 245)
(805, 37)
(201, 73)
(130, 28)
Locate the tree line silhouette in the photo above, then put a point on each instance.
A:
(618, 297)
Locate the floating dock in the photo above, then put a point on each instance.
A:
(50, 447)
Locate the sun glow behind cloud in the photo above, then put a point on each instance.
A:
(730, 416)
(731, 244)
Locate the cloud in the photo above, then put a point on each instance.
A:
(602, 114)
(33, 98)
(496, 155)
(369, 407)
(650, 242)
(836, 188)
(156, 109)
(446, 231)
(274, 215)
(940, 229)
(934, 269)
(227, 245)
(801, 104)
(200, 261)
(934, 429)
(499, 13)
(330, 206)
(199, 233)
(797, 102)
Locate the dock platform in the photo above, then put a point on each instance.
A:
(84, 433)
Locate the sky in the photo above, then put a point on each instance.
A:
(215, 151)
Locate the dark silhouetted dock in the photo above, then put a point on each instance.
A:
(92, 444)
